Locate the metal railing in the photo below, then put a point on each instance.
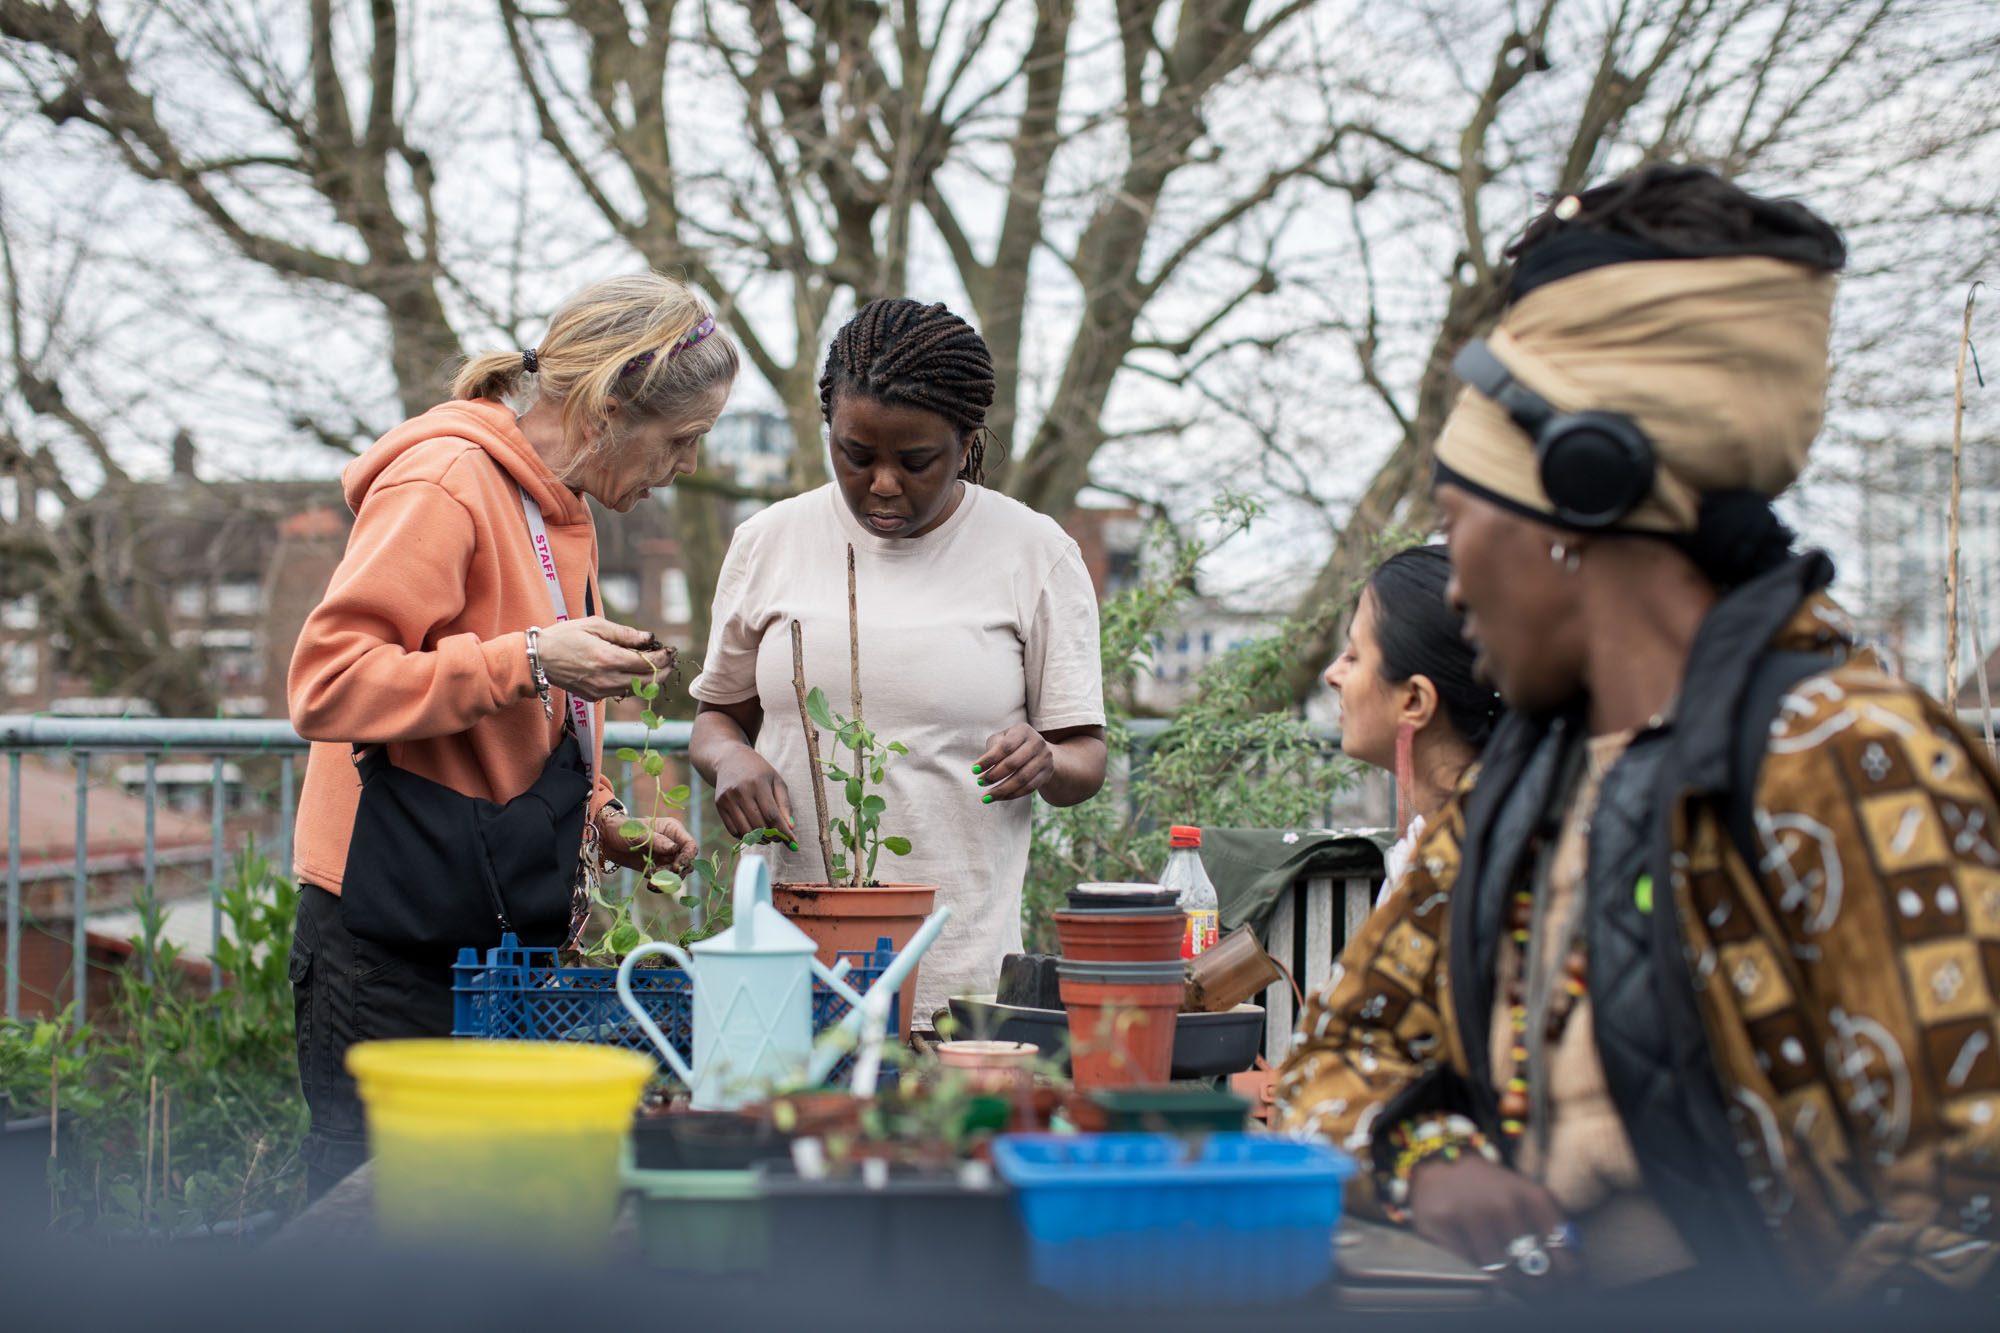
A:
(154, 739)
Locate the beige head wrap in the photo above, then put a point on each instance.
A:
(1722, 362)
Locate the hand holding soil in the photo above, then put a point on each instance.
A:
(595, 658)
(1017, 763)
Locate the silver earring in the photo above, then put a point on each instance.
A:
(1570, 560)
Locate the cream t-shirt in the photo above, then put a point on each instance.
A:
(985, 622)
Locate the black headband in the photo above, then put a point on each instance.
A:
(1568, 253)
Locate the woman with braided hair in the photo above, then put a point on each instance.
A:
(978, 639)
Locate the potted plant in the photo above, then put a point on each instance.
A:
(852, 909)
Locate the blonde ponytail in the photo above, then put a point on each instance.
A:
(489, 375)
(636, 339)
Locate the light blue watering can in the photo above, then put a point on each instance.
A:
(752, 989)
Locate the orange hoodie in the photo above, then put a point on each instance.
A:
(420, 639)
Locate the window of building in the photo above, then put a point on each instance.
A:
(18, 663)
(20, 613)
(621, 594)
(190, 599)
(239, 599)
(676, 606)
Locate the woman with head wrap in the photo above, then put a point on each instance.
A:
(1696, 979)
(1408, 699)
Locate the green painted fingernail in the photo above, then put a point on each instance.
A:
(982, 782)
(988, 797)
(795, 847)
(975, 768)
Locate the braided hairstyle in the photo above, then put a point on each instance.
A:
(908, 354)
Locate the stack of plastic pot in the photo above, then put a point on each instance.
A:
(1121, 979)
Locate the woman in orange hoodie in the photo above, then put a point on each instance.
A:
(445, 644)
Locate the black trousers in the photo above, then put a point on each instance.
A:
(346, 990)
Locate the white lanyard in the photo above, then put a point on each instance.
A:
(579, 711)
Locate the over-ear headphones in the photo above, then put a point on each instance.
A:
(1596, 467)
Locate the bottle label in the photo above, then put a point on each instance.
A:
(1203, 926)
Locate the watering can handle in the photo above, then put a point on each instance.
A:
(638, 1012)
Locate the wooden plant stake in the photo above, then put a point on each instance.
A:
(854, 671)
(812, 750)
(167, 1154)
(1951, 512)
(1985, 690)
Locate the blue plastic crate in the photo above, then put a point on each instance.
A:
(1157, 1220)
(522, 994)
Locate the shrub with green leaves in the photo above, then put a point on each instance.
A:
(1235, 753)
(230, 1118)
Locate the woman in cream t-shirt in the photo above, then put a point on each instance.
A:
(978, 639)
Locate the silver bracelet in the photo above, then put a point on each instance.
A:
(541, 676)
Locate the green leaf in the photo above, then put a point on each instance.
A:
(688, 900)
(816, 708)
(654, 763)
(650, 690)
(624, 939)
(757, 837)
(876, 776)
(676, 795)
(664, 880)
(649, 720)
(628, 754)
(638, 684)
(854, 791)
(874, 805)
(834, 773)
(898, 747)
(896, 846)
(634, 829)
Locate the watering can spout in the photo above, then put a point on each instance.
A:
(872, 1013)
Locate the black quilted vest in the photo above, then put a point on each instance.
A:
(1649, 1030)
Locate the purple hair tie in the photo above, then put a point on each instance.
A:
(693, 336)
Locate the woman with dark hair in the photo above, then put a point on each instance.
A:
(1408, 700)
(978, 640)
(1694, 984)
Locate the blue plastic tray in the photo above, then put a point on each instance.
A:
(1157, 1220)
(521, 994)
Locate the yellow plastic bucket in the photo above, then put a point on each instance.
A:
(498, 1143)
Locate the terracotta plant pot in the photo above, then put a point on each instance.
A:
(1118, 935)
(849, 920)
(1003, 1068)
(1121, 1021)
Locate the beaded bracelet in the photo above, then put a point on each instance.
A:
(541, 677)
(1447, 1136)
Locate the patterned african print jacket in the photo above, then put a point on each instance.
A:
(1803, 1052)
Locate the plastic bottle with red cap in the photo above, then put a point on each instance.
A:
(1195, 893)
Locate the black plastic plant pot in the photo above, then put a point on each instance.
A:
(1143, 897)
(944, 1228)
(706, 1141)
(1171, 1110)
(24, 1166)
